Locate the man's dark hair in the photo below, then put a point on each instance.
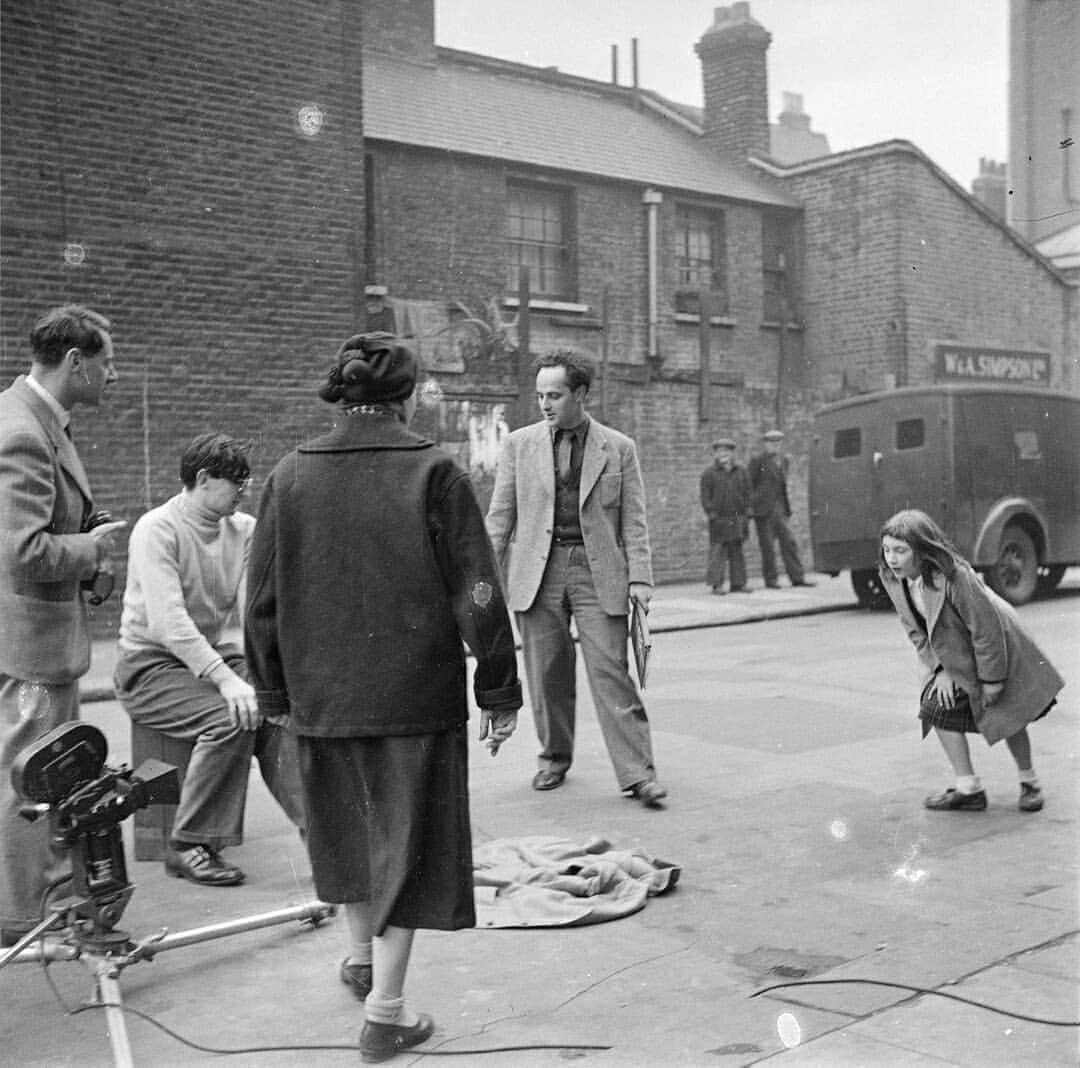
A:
(579, 369)
(220, 455)
(69, 327)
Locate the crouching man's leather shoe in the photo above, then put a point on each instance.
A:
(201, 864)
(379, 1041)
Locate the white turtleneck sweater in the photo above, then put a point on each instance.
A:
(186, 583)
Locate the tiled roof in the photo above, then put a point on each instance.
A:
(475, 106)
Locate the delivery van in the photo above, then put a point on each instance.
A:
(996, 466)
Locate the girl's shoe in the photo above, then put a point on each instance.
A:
(954, 801)
(1031, 798)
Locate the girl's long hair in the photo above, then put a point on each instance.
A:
(933, 550)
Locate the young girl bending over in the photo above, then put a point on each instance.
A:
(983, 673)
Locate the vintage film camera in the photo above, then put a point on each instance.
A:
(63, 776)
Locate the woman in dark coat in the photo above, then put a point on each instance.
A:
(983, 673)
(369, 566)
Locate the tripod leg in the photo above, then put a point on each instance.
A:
(108, 992)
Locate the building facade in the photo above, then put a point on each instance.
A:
(226, 188)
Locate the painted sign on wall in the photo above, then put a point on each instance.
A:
(952, 361)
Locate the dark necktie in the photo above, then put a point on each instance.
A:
(566, 453)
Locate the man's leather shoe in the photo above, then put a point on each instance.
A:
(954, 801)
(201, 864)
(741, 589)
(357, 977)
(650, 793)
(804, 582)
(772, 585)
(548, 780)
(379, 1041)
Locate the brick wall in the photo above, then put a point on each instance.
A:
(165, 143)
(897, 258)
(450, 247)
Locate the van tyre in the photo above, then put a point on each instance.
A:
(868, 589)
(1015, 576)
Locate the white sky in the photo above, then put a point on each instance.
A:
(934, 72)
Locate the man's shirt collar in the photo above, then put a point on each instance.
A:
(578, 431)
(61, 413)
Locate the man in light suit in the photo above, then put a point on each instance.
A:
(568, 508)
(46, 552)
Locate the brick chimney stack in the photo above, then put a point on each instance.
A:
(991, 188)
(403, 28)
(793, 115)
(735, 78)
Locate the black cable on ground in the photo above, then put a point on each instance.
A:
(922, 990)
(351, 1047)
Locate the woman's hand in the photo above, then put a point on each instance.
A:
(944, 689)
(496, 727)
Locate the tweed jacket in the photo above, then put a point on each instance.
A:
(521, 515)
(977, 637)
(369, 567)
(44, 501)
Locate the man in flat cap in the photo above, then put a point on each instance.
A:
(378, 310)
(772, 509)
(725, 497)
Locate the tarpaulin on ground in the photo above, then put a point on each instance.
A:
(552, 882)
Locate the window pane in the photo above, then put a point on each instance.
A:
(847, 442)
(1027, 445)
(535, 230)
(700, 253)
(910, 434)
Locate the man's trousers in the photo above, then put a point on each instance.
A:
(164, 695)
(770, 528)
(567, 592)
(28, 859)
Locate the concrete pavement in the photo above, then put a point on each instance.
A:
(805, 856)
(678, 606)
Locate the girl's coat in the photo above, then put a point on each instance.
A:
(977, 638)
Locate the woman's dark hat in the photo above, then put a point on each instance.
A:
(371, 368)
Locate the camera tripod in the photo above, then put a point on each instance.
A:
(106, 952)
(64, 776)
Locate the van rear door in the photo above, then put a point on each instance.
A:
(841, 473)
(911, 457)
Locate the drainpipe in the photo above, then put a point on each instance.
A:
(653, 198)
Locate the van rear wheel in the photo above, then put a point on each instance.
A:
(1015, 576)
(868, 589)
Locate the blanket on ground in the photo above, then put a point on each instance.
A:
(552, 882)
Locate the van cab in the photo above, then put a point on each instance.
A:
(996, 466)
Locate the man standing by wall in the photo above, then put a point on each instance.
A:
(569, 497)
(772, 509)
(725, 496)
(46, 552)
